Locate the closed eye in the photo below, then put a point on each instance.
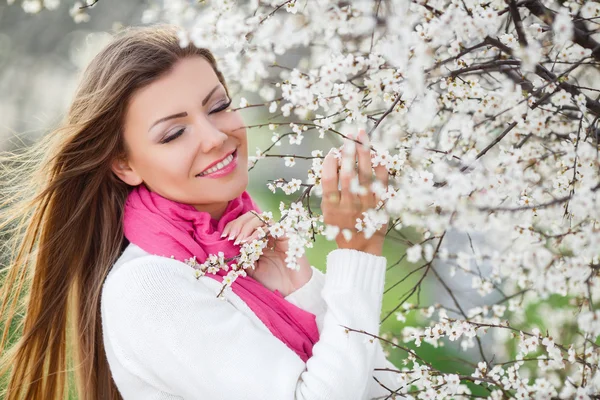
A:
(223, 107)
(174, 136)
(180, 132)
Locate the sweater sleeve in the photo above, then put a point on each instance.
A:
(309, 298)
(167, 329)
(389, 379)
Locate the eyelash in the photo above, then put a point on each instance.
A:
(180, 132)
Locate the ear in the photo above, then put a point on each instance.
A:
(121, 167)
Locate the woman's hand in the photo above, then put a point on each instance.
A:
(342, 208)
(244, 228)
(270, 269)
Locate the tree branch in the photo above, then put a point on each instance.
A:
(581, 36)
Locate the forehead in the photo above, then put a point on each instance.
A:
(185, 85)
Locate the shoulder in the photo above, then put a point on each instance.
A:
(134, 261)
(138, 276)
(145, 292)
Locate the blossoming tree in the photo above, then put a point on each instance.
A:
(485, 113)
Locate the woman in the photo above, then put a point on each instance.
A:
(148, 170)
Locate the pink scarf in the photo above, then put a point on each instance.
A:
(168, 228)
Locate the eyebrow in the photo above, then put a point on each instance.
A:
(184, 114)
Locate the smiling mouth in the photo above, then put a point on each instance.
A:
(222, 164)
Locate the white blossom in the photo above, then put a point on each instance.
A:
(562, 27)
(413, 254)
(331, 232)
(32, 6)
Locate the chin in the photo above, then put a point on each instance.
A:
(235, 188)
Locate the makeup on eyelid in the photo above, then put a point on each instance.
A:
(179, 132)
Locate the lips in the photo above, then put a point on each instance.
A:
(219, 164)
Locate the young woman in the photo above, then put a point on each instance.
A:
(147, 171)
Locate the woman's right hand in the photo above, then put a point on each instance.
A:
(342, 208)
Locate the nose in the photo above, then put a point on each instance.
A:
(211, 137)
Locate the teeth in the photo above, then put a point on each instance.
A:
(219, 166)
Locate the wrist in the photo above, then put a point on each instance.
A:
(376, 251)
(300, 277)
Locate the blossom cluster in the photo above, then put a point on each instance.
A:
(249, 254)
(77, 11)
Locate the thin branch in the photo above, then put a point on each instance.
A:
(580, 35)
(398, 96)
(516, 16)
(88, 5)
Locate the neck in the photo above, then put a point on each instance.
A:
(215, 210)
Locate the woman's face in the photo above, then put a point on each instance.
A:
(182, 143)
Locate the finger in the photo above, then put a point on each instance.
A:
(227, 228)
(257, 234)
(251, 238)
(382, 176)
(232, 228)
(248, 229)
(329, 179)
(365, 169)
(347, 172)
(248, 217)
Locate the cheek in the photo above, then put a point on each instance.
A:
(169, 165)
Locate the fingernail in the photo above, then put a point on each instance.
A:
(231, 237)
(237, 241)
(223, 235)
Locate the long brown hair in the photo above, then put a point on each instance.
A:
(60, 212)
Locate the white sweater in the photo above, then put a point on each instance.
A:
(167, 335)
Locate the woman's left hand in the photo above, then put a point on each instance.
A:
(270, 269)
(244, 228)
